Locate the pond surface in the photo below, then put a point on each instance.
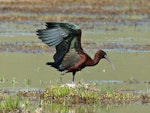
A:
(120, 28)
(31, 66)
(23, 66)
(133, 108)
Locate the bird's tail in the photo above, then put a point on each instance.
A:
(53, 64)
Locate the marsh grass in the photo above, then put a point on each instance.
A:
(9, 104)
(114, 96)
(69, 95)
(89, 94)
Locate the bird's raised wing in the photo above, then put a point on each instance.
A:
(64, 36)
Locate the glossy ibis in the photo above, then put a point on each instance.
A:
(69, 56)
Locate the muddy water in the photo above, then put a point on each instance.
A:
(32, 66)
(134, 108)
(20, 70)
(127, 42)
(28, 70)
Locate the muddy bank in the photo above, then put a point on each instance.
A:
(38, 47)
(86, 13)
(84, 94)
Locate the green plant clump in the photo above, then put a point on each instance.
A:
(81, 94)
(9, 104)
(69, 95)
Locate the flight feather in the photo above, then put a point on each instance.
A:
(64, 36)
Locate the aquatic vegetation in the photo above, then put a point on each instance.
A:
(9, 104)
(15, 104)
(145, 98)
(117, 97)
(70, 95)
(87, 95)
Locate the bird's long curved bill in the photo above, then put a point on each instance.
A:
(107, 58)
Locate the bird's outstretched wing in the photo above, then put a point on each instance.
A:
(64, 36)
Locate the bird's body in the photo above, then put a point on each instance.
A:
(69, 56)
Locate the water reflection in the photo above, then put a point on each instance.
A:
(58, 108)
(55, 108)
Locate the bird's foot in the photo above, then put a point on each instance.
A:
(63, 72)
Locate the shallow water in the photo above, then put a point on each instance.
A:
(126, 39)
(22, 69)
(32, 66)
(133, 108)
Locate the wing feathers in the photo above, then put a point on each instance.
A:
(52, 37)
(64, 36)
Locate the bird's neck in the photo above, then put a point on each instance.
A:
(97, 58)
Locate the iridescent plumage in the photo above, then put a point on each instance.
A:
(69, 56)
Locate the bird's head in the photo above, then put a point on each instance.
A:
(104, 55)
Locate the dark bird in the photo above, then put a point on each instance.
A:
(69, 56)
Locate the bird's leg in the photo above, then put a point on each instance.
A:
(73, 75)
(73, 78)
(63, 72)
(61, 79)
